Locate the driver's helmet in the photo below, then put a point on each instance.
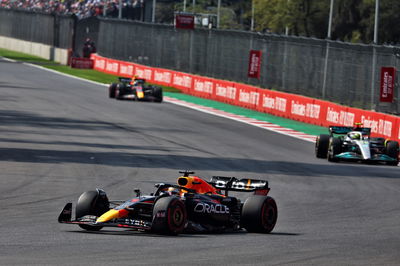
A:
(134, 79)
(354, 135)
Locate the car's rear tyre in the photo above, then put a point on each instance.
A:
(158, 94)
(94, 202)
(335, 148)
(169, 216)
(259, 214)
(392, 150)
(321, 146)
(111, 90)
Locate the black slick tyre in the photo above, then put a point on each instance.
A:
(111, 90)
(169, 216)
(335, 148)
(321, 146)
(94, 202)
(119, 91)
(392, 150)
(158, 94)
(259, 214)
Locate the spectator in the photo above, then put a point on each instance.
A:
(81, 8)
(88, 48)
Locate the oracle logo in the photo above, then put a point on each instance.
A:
(211, 208)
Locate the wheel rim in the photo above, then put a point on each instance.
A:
(268, 217)
(176, 218)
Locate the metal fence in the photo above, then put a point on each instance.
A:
(37, 27)
(339, 72)
(291, 64)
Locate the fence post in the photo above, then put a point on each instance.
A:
(373, 76)
(325, 70)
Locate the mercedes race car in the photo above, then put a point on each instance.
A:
(135, 89)
(356, 144)
(193, 205)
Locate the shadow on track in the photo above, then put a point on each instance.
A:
(148, 234)
(171, 161)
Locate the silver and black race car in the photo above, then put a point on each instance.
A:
(135, 89)
(356, 144)
(192, 205)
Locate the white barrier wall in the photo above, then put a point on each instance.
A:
(41, 50)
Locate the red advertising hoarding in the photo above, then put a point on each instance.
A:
(282, 104)
(80, 62)
(184, 21)
(254, 64)
(388, 75)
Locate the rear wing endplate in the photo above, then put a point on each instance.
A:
(234, 184)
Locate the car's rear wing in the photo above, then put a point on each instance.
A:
(124, 80)
(339, 130)
(242, 185)
(129, 80)
(344, 130)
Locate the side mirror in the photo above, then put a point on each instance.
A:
(137, 191)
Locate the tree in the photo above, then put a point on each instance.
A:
(301, 17)
(353, 20)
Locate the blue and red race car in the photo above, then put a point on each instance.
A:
(135, 89)
(192, 205)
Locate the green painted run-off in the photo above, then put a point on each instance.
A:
(287, 123)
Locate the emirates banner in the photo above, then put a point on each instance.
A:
(296, 107)
(254, 64)
(388, 75)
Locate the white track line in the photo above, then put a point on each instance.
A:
(250, 121)
(209, 110)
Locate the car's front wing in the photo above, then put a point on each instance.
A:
(357, 157)
(66, 217)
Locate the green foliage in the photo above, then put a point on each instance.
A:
(353, 20)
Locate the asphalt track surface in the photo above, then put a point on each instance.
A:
(61, 136)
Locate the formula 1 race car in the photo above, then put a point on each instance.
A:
(135, 89)
(192, 206)
(356, 144)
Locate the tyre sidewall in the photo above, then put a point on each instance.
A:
(169, 216)
(392, 150)
(335, 146)
(259, 214)
(321, 146)
(91, 203)
(112, 90)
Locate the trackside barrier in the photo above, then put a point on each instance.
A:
(295, 107)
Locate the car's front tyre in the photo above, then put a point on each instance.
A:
(321, 146)
(335, 148)
(169, 216)
(94, 202)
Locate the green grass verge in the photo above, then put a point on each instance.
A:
(169, 91)
(284, 122)
(89, 74)
(22, 57)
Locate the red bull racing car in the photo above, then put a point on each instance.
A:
(135, 89)
(192, 205)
